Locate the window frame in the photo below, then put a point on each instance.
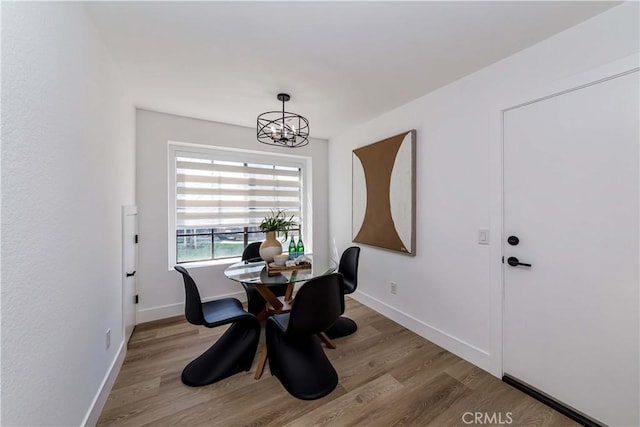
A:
(235, 155)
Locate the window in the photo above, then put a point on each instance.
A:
(220, 197)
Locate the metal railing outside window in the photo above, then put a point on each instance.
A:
(204, 244)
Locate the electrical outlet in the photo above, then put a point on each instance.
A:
(393, 288)
(108, 338)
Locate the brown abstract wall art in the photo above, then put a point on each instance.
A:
(384, 193)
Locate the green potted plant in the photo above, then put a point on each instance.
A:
(275, 224)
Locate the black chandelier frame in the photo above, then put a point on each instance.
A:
(282, 128)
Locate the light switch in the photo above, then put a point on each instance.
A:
(483, 237)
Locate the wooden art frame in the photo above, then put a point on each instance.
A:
(384, 194)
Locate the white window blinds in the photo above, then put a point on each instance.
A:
(212, 193)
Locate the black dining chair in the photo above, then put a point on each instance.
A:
(295, 354)
(348, 267)
(234, 350)
(252, 252)
(255, 301)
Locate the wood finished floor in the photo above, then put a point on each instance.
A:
(388, 376)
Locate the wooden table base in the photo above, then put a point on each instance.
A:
(261, 363)
(278, 305)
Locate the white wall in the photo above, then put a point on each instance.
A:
(160, 288)
(447, 292)
(67, 167)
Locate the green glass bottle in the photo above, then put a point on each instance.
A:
(300, 247)
(292, 248)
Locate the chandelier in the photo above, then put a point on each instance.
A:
(282, 128)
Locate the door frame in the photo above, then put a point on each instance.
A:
(537, 93)
(126, 211)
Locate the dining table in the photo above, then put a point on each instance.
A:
(257, 273)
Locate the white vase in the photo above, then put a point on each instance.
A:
(270, 247)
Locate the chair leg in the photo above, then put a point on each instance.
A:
(343, 327)
(233, 352)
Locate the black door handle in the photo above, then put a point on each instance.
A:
(134, 273)
(513, 261)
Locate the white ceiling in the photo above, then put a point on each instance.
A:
(342, 62)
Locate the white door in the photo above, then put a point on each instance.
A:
(571, 198)
(129, 267)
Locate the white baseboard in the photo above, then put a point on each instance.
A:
(468, 352)
(91, 419)
(170, 310)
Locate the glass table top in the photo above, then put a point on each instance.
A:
(256, 272)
